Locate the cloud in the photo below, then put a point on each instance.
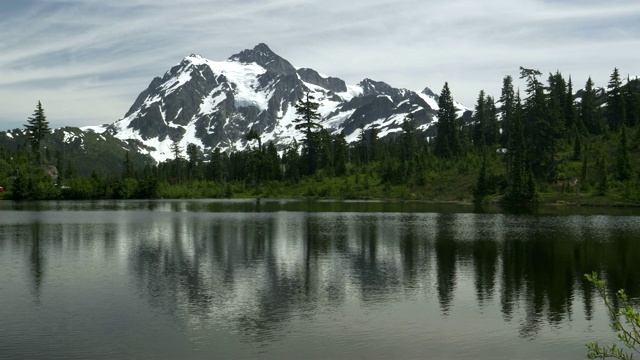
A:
(87, 60)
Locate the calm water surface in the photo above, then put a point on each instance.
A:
(287, 279)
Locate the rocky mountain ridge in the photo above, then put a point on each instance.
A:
(215, 103)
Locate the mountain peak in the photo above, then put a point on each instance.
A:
(262, 55)
(212, 104)
(262, 47)
(429, 92)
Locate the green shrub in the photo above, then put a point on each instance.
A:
(626, 324)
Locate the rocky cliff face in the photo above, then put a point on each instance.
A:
(214, 104)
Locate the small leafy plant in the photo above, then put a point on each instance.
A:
(626, 324)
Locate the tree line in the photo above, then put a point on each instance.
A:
(517, 146)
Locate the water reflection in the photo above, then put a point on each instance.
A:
(256, 272)
(259, 271)
(36, 260)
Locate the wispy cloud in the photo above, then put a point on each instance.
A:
(88, 59)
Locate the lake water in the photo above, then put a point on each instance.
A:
(307, 279)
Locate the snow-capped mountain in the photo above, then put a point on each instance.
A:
(215, 103)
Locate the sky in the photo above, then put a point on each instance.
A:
(87, 60)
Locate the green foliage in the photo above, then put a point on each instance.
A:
(32, 182)
(80, 188)
(625, 323)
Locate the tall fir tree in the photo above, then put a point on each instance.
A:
(307, 121)
(37, 128)
(616, 111)
(577, 147)
(537, 124)
(194, 161)
(570, 109)
(447, 141)
(482, 187)
(340, 154)
(492, 128)
(557, 104)
(409, 148)
(128, 166)
(507, 99)
(603, 178)
(632, 102)
(479, 122)
(589, 114)
(623, 163)
(584, 175)
(253, 135)
(272, 163)
(517, 157)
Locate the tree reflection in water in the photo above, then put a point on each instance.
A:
(260, 271)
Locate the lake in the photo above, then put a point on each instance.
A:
(307, 279)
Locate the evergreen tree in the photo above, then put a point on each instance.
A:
(447, 141)
(530, 193)
(325, 151)
(373, 143)
(193, 155)
(176, 171)
(584, 179)
(253, 135)
(589, 109)
(272, 166)
(577, 147)
(557, 106)
(482, 188)
(570, 110)
(603, 181)
(544, 119)
(340, 154)
(307, 121)
(216, 166)
(623, 164)
(486, 130)
(479, 122)
(517, 158)
(536, 115)
(492, 128)
(292, 163)
(60, 166)
(507, 99)
(409, 147)
(176, 150)
(616, 111)
(128, 166)
(632, 102)
(37, 128)
(361, 147)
